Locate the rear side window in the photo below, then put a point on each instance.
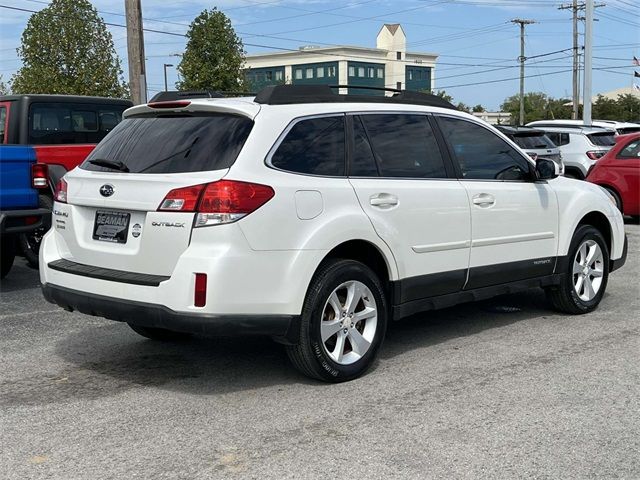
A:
(69, 123)
(533, 141)
(173, 144)
(403, 145)
(632, 150)
(483, 155)
(602, 139)
(315, 146)
(558, 139)
(625, 130)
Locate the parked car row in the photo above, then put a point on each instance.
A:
(41, 138)
(317, 218)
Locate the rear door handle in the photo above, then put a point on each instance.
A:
(383, 200)
(484, 200)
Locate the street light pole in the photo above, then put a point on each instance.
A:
(165, 75)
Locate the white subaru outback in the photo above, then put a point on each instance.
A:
(317, 218)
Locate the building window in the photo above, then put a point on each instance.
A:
(352, 71)
(320, 72)
(279, 75)
(361, 72)
(370, 72)
(269, 75)
(331, 72)
(298, 74)
(381, 73)
(309, 73)
(398, 55)
(410, 74)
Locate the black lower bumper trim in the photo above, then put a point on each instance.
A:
(616, 264)
(150, 315)
(67, 266)
(13, 221)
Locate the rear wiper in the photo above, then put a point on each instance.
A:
(169, 157)
(113, 165)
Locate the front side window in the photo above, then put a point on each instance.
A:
(481, 154)
(404, 146)
(558, 139)
(314, 146)
(632, 150)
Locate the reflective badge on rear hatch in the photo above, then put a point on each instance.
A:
(111, 226)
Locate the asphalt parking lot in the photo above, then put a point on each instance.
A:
(501, 389)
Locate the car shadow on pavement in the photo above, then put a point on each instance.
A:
(108, 359)
(21, 277)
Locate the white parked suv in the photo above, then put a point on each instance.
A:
(581, 146)
(317, 218)
(620, 128)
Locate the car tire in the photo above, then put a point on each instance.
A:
(160, 334)
(7, 254)
(29, 243)
(585, 277)
(340, 337)
(615, 196)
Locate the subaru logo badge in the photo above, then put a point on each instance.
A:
(106, 190)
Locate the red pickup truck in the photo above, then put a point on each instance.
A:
(63, 130)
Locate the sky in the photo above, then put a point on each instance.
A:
(477, 44)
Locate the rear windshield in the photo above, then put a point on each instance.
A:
(173, 143)
(533, 141)
(604, 139)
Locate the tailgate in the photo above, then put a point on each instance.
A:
(124, 231)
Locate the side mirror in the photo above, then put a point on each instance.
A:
(547, 169)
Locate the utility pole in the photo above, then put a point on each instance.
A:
(588, 63)
(135, 51)
(522, 59)
(575, 97)
(576, 7)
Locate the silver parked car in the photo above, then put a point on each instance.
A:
(534, 142)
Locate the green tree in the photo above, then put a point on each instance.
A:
(444, 95)
(537, 106)
(214, 56)
(4, 88)
(478, 108)
(67, 49)
(629, 108)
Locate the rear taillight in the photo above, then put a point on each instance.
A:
(182, 199)
(224, 201)
(200, 292)
(61, 191)
(39, 175)
(595, 154)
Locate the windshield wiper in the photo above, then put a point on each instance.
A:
(113, 165)
(186, 152)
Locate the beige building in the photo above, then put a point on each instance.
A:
(388, 65)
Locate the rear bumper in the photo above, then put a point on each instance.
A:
(283, 327)
(14, 221)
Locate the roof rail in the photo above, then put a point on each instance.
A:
(567, 125)
(173, 95)
(293, 94)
